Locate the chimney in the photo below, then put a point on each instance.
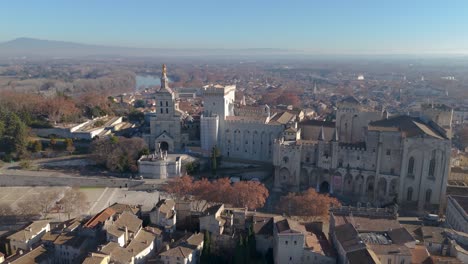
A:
(126, 235)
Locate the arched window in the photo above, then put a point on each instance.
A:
(431, 168)
(428, 195)
(409, 195)
(411, 166)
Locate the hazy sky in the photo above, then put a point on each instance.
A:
(331, 26)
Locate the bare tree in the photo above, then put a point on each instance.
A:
(38, 204)
(6, 210)
(74, 201)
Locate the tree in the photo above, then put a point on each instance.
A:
(192, 167)
(214, 163)
(206, 252)
(53, 143)
(180, 187)
(13, 133)
(241, 252)
(136, 116)
(118, 153)
(308, 203)
(249, 194)
(139, 103)
(25, 164)
(73, 201)
(37, 146)
(70, 146)
(6, 210)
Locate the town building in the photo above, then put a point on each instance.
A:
(164, 215)
(27, 238)
(372, 233)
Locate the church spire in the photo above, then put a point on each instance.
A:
(164, 79)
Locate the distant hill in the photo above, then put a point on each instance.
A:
(31, 47)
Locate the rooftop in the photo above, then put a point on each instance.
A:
(100, 218)
(95, 259)
(462, 201)
(37, 255)
(30, 231)
(410, 126)
(289, 226)
(195, 239)
(70, 240)
(263, 225)
(180, 251)
(362, 256)
(120, 208)
(166, 206)
(348, 237)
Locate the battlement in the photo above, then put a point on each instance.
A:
(218, 90)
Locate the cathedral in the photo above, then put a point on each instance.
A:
(165, 123)
(366, 156)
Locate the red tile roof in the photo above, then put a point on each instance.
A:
(100, 218)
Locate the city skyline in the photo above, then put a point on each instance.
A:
(336, 27)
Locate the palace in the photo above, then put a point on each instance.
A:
(366, 156)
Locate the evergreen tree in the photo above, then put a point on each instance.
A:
(206, 252)
(252, 246)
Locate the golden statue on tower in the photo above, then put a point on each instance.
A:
(164, 69)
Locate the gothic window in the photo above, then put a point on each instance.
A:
(167, 103)
(307, 159)
(285, 159)
(167, 110)
(160, 103)
(411, 166)
(431, 168)
(340, 163)
(409, 195)
(388, 152)
(428, 195)
(162, 110)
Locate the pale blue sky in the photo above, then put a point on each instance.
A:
(332, 26)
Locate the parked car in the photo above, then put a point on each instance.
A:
(255, 179)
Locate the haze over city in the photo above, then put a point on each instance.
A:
(234, 132)
(317, 27)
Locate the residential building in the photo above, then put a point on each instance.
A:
(213, 219)
(123, 229)
(96, 258)
(164, 215)
(178, 255)
(28, 237)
